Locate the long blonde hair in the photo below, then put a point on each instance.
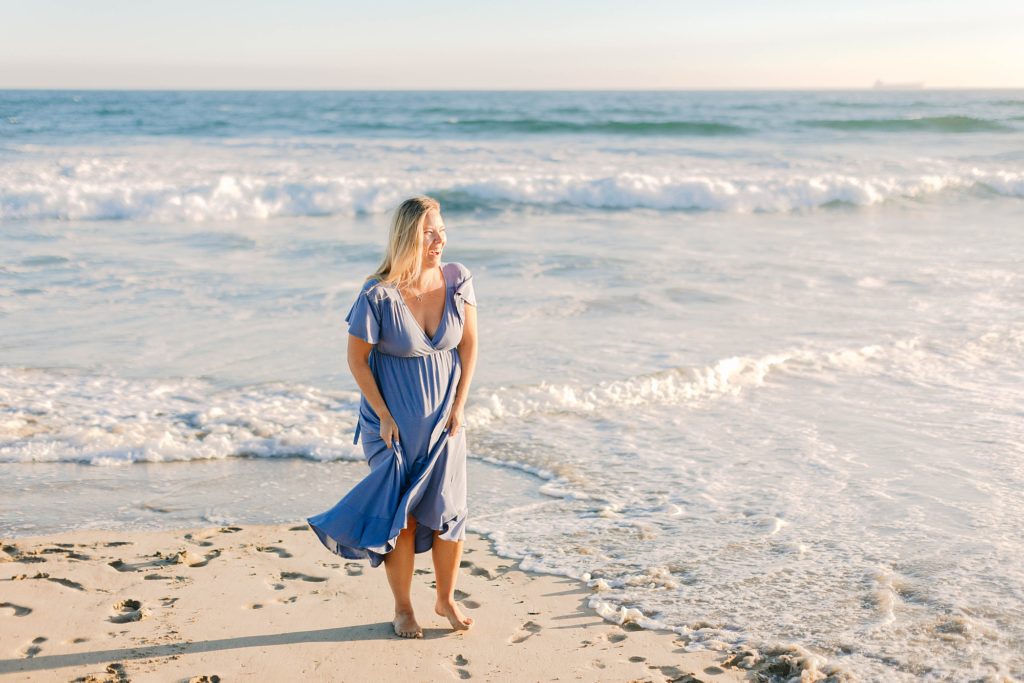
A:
(404, 256)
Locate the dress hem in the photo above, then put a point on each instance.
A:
(376, 553)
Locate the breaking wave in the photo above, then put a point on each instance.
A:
(103, 189)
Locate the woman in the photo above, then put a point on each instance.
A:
(412, 349)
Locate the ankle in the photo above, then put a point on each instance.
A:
(403, 609)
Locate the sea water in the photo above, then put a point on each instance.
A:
(750, 362)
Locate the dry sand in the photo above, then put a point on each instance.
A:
(269, 603)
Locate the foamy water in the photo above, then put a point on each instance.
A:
(94, 184)
(750, 363)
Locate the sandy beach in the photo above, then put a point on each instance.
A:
(267, 603)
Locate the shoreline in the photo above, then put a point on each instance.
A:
(247, 602)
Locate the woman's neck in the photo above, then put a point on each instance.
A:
(429, 278)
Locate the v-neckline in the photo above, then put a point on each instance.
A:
(444, 311)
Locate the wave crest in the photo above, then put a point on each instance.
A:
(95, 189)
(929, 124)
(537, 126)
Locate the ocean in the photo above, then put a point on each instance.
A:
(750, 362)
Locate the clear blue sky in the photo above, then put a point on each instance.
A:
(529, 44)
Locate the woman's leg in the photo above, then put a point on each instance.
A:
(447, 555)
(399, 564)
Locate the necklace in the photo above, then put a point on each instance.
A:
(419, 297)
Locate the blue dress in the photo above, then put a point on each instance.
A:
(424, 473)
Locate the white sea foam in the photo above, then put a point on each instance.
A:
(196, 190)
(729, 376)
(75, 416)
(645, 579)
(71, 416)
(55, 415)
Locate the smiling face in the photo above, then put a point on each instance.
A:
(434, 239)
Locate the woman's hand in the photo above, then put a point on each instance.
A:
(388, 429)
(455, 420)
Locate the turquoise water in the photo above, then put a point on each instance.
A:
(750, 362)
(50, 116)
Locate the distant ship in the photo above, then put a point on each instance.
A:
(879, 85)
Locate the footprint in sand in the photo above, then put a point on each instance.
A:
(117, 670)
(34, 649)
(674, 673)
(616, 637)
(214, 678)
(122, 566)
(128, 611)
(474, 570)
(68, 583)
(19, 555)
(184, 556)
(202, 542)
(230, 529)
(65, 549)
(463, 597)
(525, 631)
(299, 576)
(458, 671)
(280, 552)
(187, 558)
(354, 568)
(19, 611)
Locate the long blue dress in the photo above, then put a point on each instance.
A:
(424, 473)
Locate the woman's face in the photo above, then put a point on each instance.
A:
(434, 239)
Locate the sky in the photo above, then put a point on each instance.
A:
(640, 44)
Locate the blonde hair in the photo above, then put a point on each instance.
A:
(403, 258)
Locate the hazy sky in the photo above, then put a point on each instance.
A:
(527, 44)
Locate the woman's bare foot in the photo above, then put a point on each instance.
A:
(448, 608)
(405, 624)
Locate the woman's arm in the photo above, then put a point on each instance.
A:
(359, 364)
(467, 354)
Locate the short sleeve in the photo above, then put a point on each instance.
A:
(364, 319)
(464, 287)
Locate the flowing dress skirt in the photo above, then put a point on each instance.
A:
(423, 474)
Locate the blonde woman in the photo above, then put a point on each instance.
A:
(412, 349)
